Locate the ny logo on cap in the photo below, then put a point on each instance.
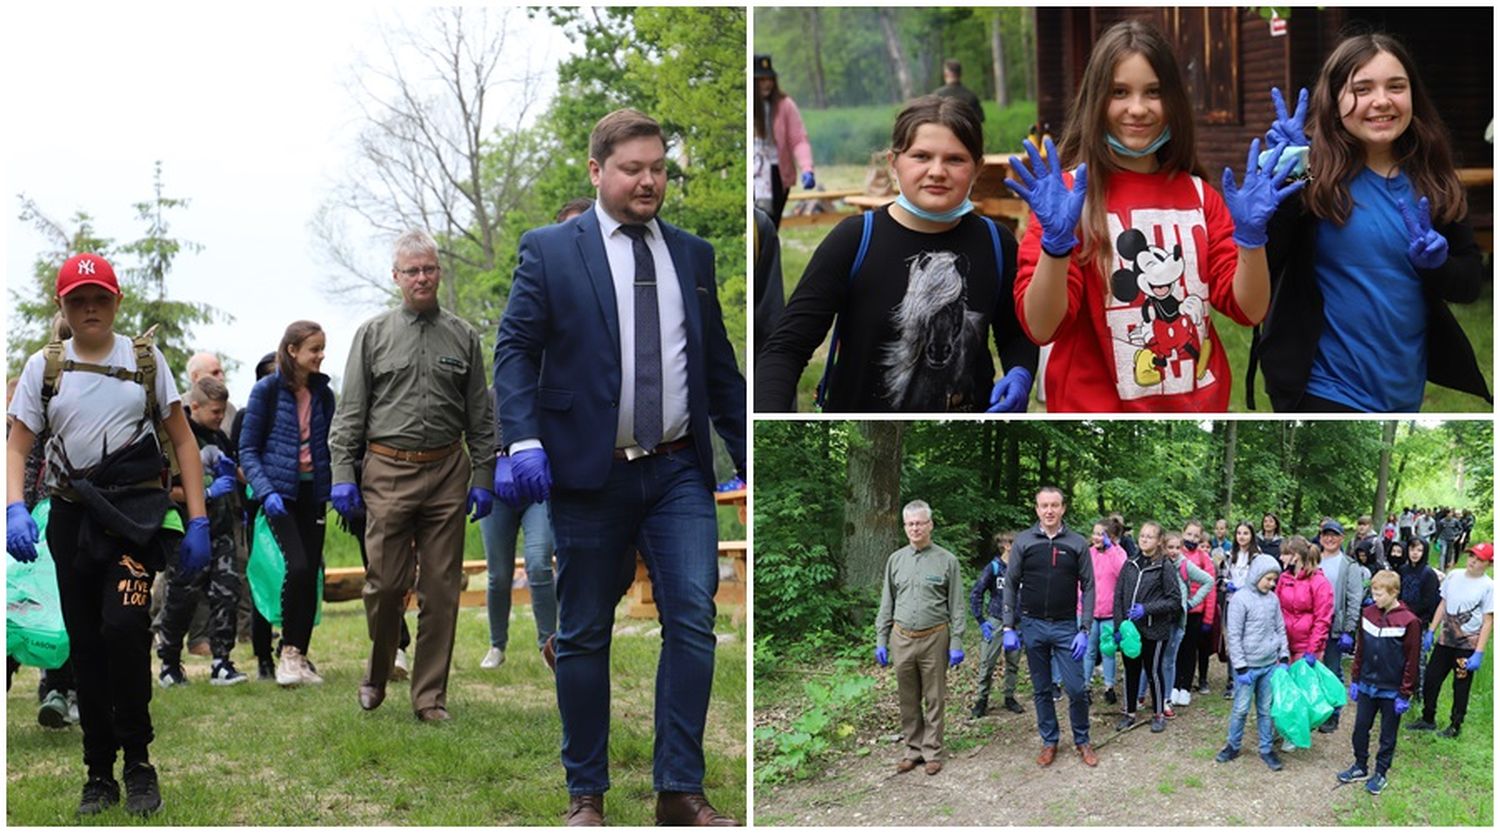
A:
(85, 267)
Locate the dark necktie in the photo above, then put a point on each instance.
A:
(647, 342)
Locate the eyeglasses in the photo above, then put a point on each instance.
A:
(429, 271)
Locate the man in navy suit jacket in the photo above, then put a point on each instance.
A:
(615, 403)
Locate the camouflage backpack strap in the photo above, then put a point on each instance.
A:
(52, 369)
(145, 363)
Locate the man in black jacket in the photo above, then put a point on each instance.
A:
(1049, 568)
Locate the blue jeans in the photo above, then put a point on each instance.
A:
(1091, 658)
(1333, 657)
(661, 506)
(498, 530)
(1260, 690)
(1049, 645)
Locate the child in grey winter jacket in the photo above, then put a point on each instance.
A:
(1256, 634)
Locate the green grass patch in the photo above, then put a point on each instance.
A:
(256, 754)
(848, 135)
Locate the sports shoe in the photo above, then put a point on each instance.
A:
(171, 674)
(1110, 697)
(1125, 723)
(1012, 706)
(1375, 784)
(53, 712)
(72, 707)
(1056, 693)
(100, 793)
(1286, 746)
(1185, 698)
(1227, 754)
(289, 670)
(142, 795)
(310, 672)
(265, 669)
(1229, 692)
(1167, 712)
(1203, 689)
(1176, 696)
(1450, 732)
(980, 708)
(1158, 724)
(1421, 726)
(1352, 774)
(400, 668)
(224, 673)
(494, 659)
(1271, 761)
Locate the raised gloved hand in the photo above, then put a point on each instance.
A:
(275, 508)
(1242, 677)
(195, 551)
(1353, 692)
(481, 501)
(1474, 660)
(505, 483)
(882, 657)
(346, 500)
(1137, 611)
(221, 486)
(1346, 642)
(1402, 705)
(533, 474)
(1011, 641)
(21, 533)
(1309, 658)
(1425, 248)
(987, 631)
(1426, 640)
(1252, 204)
(733, 484)
(1080, 644)
(1011, 393)
(807, 180)
(1056, 206)
(1288, 129)
(955, 656)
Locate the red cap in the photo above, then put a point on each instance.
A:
(84, 269)
(1483, 551)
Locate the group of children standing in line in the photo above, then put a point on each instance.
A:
(1257, 601)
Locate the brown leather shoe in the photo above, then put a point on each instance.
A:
(1086, 752)
(433, 714)
(585, 811)
(370, 697)
(1048, 753)
(689, 810)
(549, 652)
(934, 767)
(907, 764)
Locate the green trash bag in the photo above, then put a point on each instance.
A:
(1333, 690)
(1107, 645)
(1130, 639)
(1306, 679)
(1289, 709)
(34, 631)
(266, 572)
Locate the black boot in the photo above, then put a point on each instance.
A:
(1012, 706)
(981, 707)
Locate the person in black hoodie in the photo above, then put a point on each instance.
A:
(1419, 592)
(1148, 595)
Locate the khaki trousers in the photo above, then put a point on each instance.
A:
(425, 503)
(922, 687)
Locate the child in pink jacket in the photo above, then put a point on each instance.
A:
(1306, 601)
(1108, 557)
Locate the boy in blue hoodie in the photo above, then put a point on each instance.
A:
(990, 617)
(1256, 633)
(1384, 675)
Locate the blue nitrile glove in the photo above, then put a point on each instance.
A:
(481, 501)
(21, 533)
(1242, 678)
(1474, 660)
(1011, 641)
(987, 630)
(1426, 641)
(1080, 644)
(222, 485)
(1309, 658)
(1208, 627)
(346, 500)
(955, 656)
(1011, 393)
(195, 551)
(1402, 705)
(733, 484)
(1426, 249)
(1104, 542)
(1346, 642)
(881, 656)
(273, 506)
(1231, 587)
(1252, 204)
(1055, 206)
(505, 483)
(533, 474)
(1288, 129)
(1353, 692)
(1136, 611)
(807, 180)
(226, 467)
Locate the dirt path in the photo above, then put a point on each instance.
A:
(992, 777)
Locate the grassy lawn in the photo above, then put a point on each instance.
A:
(255, 754)
(797, 245)
(848, 135)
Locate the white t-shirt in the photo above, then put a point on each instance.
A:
(91, 412)
(1465, 601)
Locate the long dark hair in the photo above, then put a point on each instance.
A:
(1336, 157)
(296, 333)
(765, 107)
(1234, 541)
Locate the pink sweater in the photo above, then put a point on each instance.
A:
(793, 152)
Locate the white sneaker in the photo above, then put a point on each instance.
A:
(494, 659)
(1172, 698)
(1187, 698)
(400, 669)
(309, 676)
(289, 669)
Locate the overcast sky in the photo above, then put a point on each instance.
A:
(248, 110)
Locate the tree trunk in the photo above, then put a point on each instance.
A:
(1400, 470)
(815, 36)
(1231, 436)
(1387, 442)
(997, 55)
(1012, 467)
(872, 520)
(1028, 47)
(896, 53)
(1043, 476)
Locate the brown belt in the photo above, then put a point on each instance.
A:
(413, 456)
(635, 452)
(911, 634)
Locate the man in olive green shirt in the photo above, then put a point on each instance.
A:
(416, 403)
(922, 612)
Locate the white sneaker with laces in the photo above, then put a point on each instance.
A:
(400, 669)
(494, 659)
(309, 676)
(1187, 698)
(289, 669)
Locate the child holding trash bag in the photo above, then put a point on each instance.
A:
(1384, 677)
(1306, 601)
(1256, 633)
(1147, 596)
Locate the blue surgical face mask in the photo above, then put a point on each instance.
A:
(932, 216)
(1116, 146)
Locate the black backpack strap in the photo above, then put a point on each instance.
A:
(833, 344)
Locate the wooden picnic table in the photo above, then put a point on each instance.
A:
(1476, 177)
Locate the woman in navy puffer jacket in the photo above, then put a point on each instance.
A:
(284, 452)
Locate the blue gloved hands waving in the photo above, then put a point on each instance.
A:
(533, 474)
(1080, 644)
(505, 483)
(1425, 248)
(1474, 660)
(1056, 206)
(1136, 612)
(276, 509)
(346, 500)
(1011, 393)
(1252, 203)
(1288, 129)
(1346, 642)
(21, 533)
(955, 656)
(481, 501)
(807, 180)
(1011, 641)
(195, 551)
(987, 631)
(882, 657)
